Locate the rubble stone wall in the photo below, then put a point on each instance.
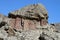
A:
(28, 23)
(12, 22)
(18, 23)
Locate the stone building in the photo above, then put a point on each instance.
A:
(28, 17)
(28, 23)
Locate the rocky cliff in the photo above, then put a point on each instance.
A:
(28, 23)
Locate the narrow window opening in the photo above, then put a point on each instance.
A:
(22, 23)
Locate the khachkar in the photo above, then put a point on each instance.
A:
(28, 23)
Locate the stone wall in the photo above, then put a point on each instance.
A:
(28, 23)
(28, 17)
(23, 24)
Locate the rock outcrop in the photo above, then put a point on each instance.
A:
(28, 23)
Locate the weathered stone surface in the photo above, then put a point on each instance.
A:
(57, 26)
(12, 22)
(28, 23)
(18, 24)
(32, 11)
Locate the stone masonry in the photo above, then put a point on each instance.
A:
(28, 17)
(28, 23)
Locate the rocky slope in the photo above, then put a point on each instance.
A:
(28, 23)
(57, 26)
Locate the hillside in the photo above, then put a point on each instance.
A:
(28, 23)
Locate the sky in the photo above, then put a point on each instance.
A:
(52, 6)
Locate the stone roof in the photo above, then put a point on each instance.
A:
(32, 11)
